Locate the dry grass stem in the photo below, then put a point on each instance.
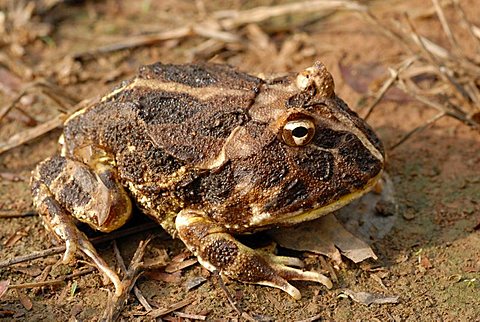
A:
(445, 26)
(55, 281)
(31, 134)
(191, 316)
(230, 298)
(172, 308)
(60, 249)
(387, 84)
(415, 130)
(472, 29)
(143, 301)
(233, 19)
(454, 77)
(221, 26)
(116, 303)
(4, 214)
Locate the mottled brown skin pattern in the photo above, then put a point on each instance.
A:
(208, 151)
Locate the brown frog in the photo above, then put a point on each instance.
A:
(209, 152)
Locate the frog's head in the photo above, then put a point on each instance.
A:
(313, 154)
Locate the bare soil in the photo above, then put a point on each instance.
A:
(430, 259)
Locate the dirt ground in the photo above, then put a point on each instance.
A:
(430, 259)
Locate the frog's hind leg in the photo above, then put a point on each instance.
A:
(64, 189)
(218, 250)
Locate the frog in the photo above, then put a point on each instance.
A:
(209, 153)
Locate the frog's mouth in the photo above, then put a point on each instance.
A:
(301, 215)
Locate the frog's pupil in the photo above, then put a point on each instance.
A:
(300, 132)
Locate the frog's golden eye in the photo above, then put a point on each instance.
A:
(298, 132)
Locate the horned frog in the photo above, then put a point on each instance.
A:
(209, 152)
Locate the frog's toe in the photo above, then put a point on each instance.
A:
(285, 260)
(294, 274)
(86, 247)
(76, 240)
(283, 273)
(70, 250)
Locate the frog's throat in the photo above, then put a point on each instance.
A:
(302, 215)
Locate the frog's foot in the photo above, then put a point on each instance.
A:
(218, 250)
(63, 190)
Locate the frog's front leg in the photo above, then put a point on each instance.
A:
(64, 189)
(218, 250)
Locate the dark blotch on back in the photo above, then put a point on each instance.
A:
(50, 169)
(221, 124)
(163, 107)
(272, 167)
(218, 186)
(201, 75)
(191, 75)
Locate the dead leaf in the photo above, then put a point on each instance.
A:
(4, 287)
(30, 270)
(369, 298)
(25, 300)
(425, 262)
(164, 277)
(321, 236)
(177, 266)
(182, 256)
(360, 218)
(368, 78)
(16, 236)
(194, 282)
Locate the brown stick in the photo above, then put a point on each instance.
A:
(191, 316)
(136, 290)
(393, 77)
(417, 129)
(135, 269)
(4, 214)
(161, 312)
(230, 299)
(60, 249)
(55, 281)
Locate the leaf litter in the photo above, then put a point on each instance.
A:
(347, 231)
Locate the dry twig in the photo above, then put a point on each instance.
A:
(116, 303)
(455, 77)
(4, 214)
(172, 308)
(60, 249)
(387, 84)
(136, 290)
(219, 28)
(55, 281)
(230, 299)
(191, 316)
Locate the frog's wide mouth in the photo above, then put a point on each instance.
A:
(317, 211)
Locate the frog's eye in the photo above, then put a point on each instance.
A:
(298, 132)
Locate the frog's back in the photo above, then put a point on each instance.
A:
(166, 117)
